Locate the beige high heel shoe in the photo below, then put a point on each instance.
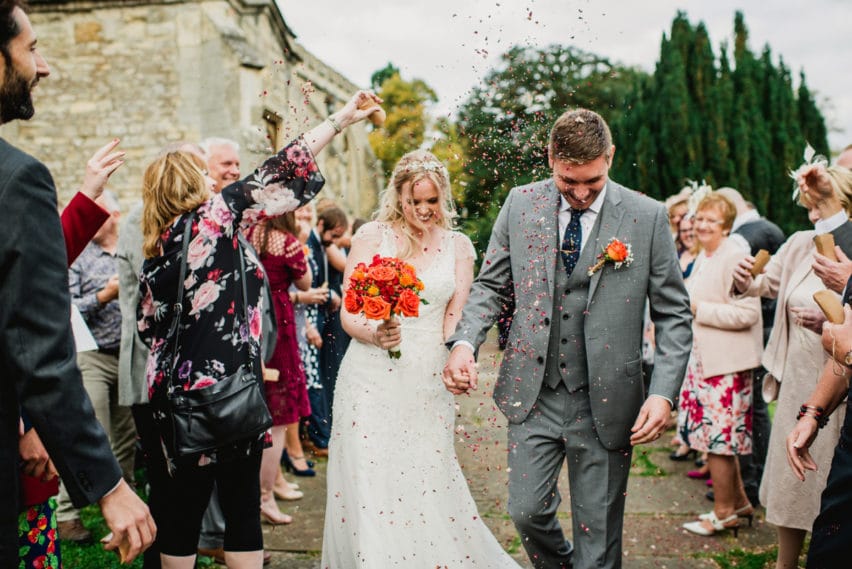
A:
(273, 516)
(287, 493)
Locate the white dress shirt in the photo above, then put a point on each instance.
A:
(587, 220)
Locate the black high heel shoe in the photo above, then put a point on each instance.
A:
(290, 467)
(679, 457)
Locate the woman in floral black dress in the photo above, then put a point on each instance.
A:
(214, 338)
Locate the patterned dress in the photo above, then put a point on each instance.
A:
(288, 397)
(716, 410)
(38, 545)
(215, 339)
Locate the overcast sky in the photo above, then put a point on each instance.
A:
(451, 44)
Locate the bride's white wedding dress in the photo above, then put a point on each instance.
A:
(396, 494)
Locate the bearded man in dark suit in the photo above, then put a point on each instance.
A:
(38, 371)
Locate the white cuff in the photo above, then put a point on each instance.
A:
(463, 343)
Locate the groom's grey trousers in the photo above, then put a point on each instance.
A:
(560, 427)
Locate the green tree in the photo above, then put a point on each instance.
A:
(505, 121)
(378, 78)
(740, 125)
(406, 124)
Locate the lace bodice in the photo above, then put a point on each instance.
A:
(439, 283)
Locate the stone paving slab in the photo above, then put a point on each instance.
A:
(660, 499)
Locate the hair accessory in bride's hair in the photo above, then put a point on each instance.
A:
(425, 165)
(698, 194)
(812, 160)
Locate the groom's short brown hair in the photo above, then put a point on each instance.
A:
(580, 136)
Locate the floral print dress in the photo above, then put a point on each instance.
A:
(214, 338)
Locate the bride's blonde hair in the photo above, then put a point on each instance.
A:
(412, 168)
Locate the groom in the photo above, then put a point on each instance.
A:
(570, 382)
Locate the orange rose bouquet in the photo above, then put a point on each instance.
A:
(385, 288)
(616, 252)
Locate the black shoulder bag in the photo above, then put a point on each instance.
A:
(233, 409)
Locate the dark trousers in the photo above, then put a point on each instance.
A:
(318, 425)
(155, 467)
(831, 540)
(335, 341)
(751, 465)
(187, 494)
(9, 489)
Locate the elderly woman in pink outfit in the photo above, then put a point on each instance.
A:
(728, 343)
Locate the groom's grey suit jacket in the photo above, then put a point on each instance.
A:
(524, 251)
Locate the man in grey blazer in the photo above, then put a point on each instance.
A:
(570, 382)
(38, 371)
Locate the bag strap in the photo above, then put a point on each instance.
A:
(177, 307)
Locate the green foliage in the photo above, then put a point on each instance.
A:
(409, 127)
(700, 118)
(741, 559)
(643, 465)
(405, 127)
(93, 555)
(378, 78)
(505, 123)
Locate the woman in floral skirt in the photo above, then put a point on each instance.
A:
(728, 343)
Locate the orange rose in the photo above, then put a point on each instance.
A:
(382, 274)
(375, 308)
(352, 301)
(408, 303)
(407, 276)
(616, 251)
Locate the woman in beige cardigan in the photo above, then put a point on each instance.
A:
(793, 358)
(728, 343)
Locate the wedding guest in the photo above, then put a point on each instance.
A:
(283, 259)
(331, 225)
(689, 245)
(754, 233)
(677, 207)
(686, 256)
(793, 355)
(212, 341)
(93, 284)
(335, 340)
(39, 541)
(831, 539)
(38, 373)
(306, 313)
(717, 390)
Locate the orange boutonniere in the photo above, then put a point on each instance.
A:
(616, 252)
(387, 287)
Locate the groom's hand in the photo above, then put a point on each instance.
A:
(460, 372)
(651, 421)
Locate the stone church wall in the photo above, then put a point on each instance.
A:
(152, 73)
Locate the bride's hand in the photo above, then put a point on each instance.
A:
(388, 334)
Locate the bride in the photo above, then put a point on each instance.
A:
(396, 494)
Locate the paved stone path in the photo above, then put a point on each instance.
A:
(660, 499)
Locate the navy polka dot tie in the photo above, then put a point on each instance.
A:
(572, 241)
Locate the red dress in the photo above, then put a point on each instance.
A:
(287, 398)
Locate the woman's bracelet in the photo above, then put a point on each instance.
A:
(815, 412)
(335, 125)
